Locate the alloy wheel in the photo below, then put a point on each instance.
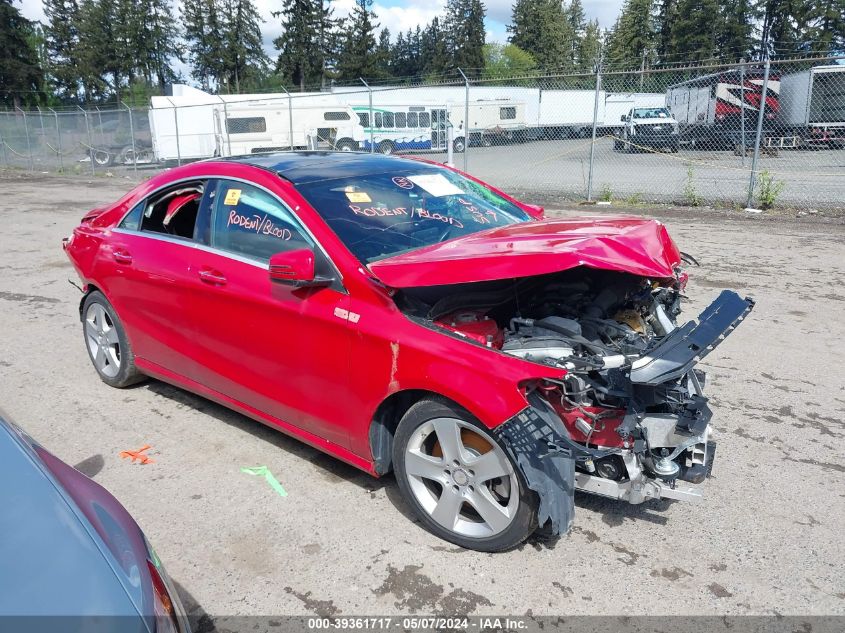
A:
(102, 339)
(462, 478)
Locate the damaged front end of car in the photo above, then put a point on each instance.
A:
(627, 418)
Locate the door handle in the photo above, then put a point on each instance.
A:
(212, 277)
(122, 256)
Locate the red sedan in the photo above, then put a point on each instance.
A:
(404, 316)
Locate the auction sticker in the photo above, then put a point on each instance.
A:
(232, 197)
(401, 181)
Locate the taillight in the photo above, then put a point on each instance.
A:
(163, 608)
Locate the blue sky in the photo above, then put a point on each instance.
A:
(396, 15)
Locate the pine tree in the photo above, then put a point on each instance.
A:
(105, 57)
(357, 58)
(694, 35)
(589, 47)
(62, 39)
(244, 57)
(152, 40)
(205, 40)
(826, 32)
(299, 59)
(632, 37)
(666, 16)
(434, 51)
(20, 74)
(735, 30)
(383, 52)
(543, 29)
(465, 26)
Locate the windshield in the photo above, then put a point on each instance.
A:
(651, 113)
(381, 215)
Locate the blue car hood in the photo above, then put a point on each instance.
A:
(52, 561)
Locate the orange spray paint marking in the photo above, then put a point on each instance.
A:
(142, 459)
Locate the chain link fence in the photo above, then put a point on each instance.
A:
(757, 134)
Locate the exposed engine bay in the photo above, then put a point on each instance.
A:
(635, 420)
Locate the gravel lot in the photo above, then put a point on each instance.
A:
(766, 539)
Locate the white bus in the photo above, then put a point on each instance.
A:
(400, 127)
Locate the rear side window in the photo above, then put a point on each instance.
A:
(251, 222)
(246, 125)
(173, 211)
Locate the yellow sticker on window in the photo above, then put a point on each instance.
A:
(232, 197)
(358, 196)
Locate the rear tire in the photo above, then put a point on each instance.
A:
(459, 145)
(386, 147)
(459, 481)
(107, 344)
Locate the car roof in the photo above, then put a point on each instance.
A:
(302, 167)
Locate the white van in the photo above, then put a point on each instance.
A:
(265, 126)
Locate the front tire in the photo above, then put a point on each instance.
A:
(459, 481)
(345, 145)
(387, 148)
(107, 344)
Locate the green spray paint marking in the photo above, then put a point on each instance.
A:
(263, 471)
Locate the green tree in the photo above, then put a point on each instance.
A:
(358, 56)
(21, 76)
(62, 39)
(544, 29)
(632, 37)
(735, 29)
(826, 32)
(589, 47)
(465, 26)
(105, 58)
(152, 35)
(299, 58)
(383, 52)
(244, 57)
(434, 50)
(204, 36)
(503, 61)
(695, 33)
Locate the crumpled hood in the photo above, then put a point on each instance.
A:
(621, 243)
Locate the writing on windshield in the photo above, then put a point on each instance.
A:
(381, 215)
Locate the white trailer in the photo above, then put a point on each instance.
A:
(812, 105)
(490, 121)
(186, 130)
(568, 113)
(278, 124)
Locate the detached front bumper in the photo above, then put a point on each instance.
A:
(664, 434)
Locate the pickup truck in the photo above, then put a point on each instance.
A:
(652, 128)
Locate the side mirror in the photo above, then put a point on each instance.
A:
(624, 118)
(296, 268)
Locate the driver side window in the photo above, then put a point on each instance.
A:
(253, 223)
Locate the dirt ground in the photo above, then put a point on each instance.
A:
(766, 539)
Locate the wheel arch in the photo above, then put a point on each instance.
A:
(386, 419)
(87, 289)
